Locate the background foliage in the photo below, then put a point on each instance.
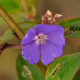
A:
(24, 13)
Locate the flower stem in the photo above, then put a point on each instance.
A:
(11, 23)
(42, 67)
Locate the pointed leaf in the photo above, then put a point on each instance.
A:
(63, 68)
(71, 22)
(26, 71)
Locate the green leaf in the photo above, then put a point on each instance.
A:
(73, 35)
(63, 68)
(9, 33)
(71, 22)
(75, 26)
(26, 71)
(77, 76)
(10, 5)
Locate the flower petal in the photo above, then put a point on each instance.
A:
(57, 37)
(43, 28)
(31, 52)
(28, 37)
(49, 52)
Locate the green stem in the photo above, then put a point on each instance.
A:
(42, 67)
(11, 23)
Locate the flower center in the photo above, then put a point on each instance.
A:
(40, 38)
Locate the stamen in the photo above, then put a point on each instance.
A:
(40, 38)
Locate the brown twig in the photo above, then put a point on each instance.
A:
(11, 23)
(5, 45)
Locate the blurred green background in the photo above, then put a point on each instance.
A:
(67, 8)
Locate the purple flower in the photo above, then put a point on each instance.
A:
(46, 40)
